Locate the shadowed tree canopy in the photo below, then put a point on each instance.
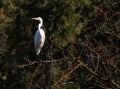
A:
(82, 41)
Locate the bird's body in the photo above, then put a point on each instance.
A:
(39, 37)
(39, 40)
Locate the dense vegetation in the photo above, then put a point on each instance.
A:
(81, 51)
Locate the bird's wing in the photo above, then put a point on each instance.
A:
(37, 42)
(42, 37)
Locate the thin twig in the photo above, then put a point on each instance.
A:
(33, 76)
(65, 76)
(37, 62)
(85, 66)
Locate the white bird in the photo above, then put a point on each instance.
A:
(39, 37)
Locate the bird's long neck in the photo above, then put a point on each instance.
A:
(39, 25)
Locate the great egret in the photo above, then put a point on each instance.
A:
(39, 37)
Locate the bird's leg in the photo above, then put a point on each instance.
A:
(40, 58)
(37, 58)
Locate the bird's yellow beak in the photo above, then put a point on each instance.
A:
(34, 18)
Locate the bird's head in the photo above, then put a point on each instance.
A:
(38, 18)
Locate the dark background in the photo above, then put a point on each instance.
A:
(81, 50)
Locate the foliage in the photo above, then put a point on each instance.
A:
(81, 50)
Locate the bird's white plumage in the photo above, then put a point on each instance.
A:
(39, 37)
